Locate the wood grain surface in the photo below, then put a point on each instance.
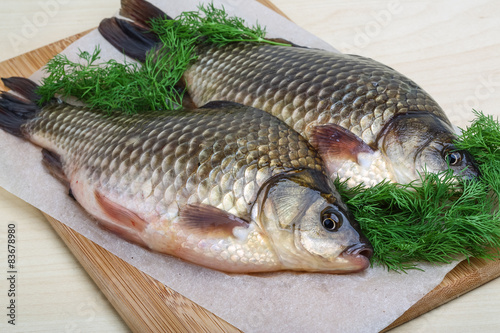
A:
(146, 303)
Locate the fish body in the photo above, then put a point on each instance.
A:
(227, 187)
(368, 121)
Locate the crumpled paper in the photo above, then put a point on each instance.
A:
(281, 302)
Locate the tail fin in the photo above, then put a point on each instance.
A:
(141, 11)
(15, 111)
(128, 37)
(23, 86)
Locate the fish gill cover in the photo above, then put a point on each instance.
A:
(437, 219)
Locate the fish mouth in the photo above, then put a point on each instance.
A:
(358, 256)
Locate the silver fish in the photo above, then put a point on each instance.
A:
(228, 187)
(368, 121)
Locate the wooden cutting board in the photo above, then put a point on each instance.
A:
(148, 305)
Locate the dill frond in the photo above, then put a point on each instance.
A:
(211, 25)
(131, 88)
(438, 218)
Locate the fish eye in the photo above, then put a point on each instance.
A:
(453, 158)
(331, 220)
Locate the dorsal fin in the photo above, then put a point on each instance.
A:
(220, 104)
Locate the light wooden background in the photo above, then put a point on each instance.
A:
(451, 48)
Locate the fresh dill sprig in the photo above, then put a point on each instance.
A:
(210, 25)
(439, 218)
(482, 140)
(113, 86)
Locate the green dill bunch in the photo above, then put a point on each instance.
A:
(111, 86)
(209, 25)
(131, 88)
(439, 218)
(482, 139)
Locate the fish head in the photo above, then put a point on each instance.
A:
(413, 143)
(308, 225)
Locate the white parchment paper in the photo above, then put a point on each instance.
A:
(282, 302)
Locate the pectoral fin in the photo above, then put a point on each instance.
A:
(212, 221)
(337, 144)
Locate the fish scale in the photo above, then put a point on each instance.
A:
(297, 85)
(170, 160)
